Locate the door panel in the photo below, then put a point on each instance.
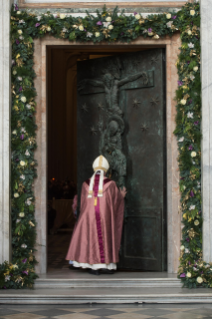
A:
(121, 114)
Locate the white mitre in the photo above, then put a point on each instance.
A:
(100, 165)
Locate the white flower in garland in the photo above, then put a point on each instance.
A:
(27, 153)
(168, 16)
(182, 247)
(28, 106)
(81, 28)
(169, 24)
(97, 34)
(196, 222)
(48, 28)
(187, 251)
(22, 177)
(28, 201)
(14, 72)
(137, 16)
(21, 214)
(23, 130)
(191, 45)
(188, 274)
(15, 266)
(22, 163)
(16, 195)
(75, 26)
(110, 27)
(106, 24)
(189, 32)
(38, 18)
(7, 278)
(192, 77)
(193, 154)
(199, 280)
(18, 221)
(23, 99)
(20, 31)
(192, 12)
(89, 34)
(192, 207)
(181, 139)
(14, 132)
(62, 16)
(183, 102)
(190, 115)
(21, 21)
(24, 246)
(198, 184)
(108, 19)
(156, 37)
(20, 78)
(195, 269)
(64, 30)
(195, 68)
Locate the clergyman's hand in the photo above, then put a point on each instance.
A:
(123, 191)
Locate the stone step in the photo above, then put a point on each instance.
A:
(105, 295)
(107, 283)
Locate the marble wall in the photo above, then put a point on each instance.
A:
(206, 75)
(174, 219)
(5, 102)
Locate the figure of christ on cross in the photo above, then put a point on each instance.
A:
(111, 85)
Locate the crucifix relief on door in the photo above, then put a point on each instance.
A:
(120, 115)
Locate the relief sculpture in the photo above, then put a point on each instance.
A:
(110, 144)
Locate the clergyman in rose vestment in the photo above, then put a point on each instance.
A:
(97, 235)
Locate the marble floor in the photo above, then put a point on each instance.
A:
(131, 311)
(57, 249)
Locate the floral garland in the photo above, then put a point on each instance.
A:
(105, 26)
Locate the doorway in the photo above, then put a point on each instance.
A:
(62, 157)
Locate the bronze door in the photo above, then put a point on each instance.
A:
(121, 115)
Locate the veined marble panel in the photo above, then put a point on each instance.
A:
(206, 77)
(5, 102)
(103, 1)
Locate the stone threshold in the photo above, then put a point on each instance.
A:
(106, 295)
(66, 278)
(108, 283)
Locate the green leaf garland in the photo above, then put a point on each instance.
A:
(111, 27)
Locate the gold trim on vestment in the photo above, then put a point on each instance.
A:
(100, 167)
(95, 201)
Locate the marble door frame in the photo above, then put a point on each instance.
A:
(173, 217)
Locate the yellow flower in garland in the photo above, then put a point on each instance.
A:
(185, 216)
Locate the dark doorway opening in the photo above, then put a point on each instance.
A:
(62, 150)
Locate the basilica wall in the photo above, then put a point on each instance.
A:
(78, 8)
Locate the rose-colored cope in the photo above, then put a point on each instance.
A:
(97, 236)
